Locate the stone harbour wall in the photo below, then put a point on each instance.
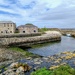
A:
(19, 41)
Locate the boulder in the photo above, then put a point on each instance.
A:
(13, 65)
(36, 68)
(23, 68)
(20, 69)
(9, 72)
(29, 58)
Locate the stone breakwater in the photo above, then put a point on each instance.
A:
(17, 41)
(29, 64)
(73, 35)
(19, 35)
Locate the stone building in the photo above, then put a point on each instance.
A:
(7, 27)
(28, 28)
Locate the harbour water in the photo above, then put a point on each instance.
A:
(66, 44)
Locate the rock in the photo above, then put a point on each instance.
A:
(62, 57)
(37, 59)
(68, 57)
(58, 60)
(24, 67)
(67, 52)
(9, 72)
(48, 56)
(35, 68)
(53, 67)
(3, 59)
(38, 62)
(27, 67)
(51, 58)
(74, 63)
(20, 69)
(63, 64)
(17, 69)
(29, 58)
(14, 65)
(45, 58)
(56, 66)
(21, 73)
(73, 54)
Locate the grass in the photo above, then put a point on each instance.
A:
(42, 71)
(62, 70)
(40, 45)
(43, 30)
(22, 51)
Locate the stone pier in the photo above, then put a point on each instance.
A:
(19, 41)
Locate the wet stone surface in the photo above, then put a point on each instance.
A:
(36, 63)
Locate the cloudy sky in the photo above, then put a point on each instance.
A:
(42, 13)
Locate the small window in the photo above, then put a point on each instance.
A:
(34, 30)
(8, 28)
(4, 24)
(23, 31)
(1, 31)
(8, 25)
(10, 31)
(6, 32)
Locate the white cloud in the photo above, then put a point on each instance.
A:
(39, 11)
(24, 2)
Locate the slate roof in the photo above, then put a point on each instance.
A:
(6, 22)
(30, 25)
(27, 25)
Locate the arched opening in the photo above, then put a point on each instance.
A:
(23, 31)
(34, 30)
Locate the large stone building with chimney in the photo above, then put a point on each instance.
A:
(7, 27)
(28, 28)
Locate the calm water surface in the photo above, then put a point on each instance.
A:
(66, 44)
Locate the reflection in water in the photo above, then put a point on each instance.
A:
(66, 44)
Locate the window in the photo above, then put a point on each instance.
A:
(10, 31)
(23, 31)
(8, 28)
(1, 31)
(34, 30)
(8, 25)
(6, 32)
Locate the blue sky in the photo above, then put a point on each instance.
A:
(42, 13)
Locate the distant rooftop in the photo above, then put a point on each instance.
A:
(27, 25)
(6, 22)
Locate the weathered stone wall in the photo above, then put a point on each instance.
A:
(27, 30)
(73, 35)
(67, 31)
(18, 41)
(7, 28)
(20, 35)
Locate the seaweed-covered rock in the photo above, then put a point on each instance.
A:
(17, 68)
(15, 64)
